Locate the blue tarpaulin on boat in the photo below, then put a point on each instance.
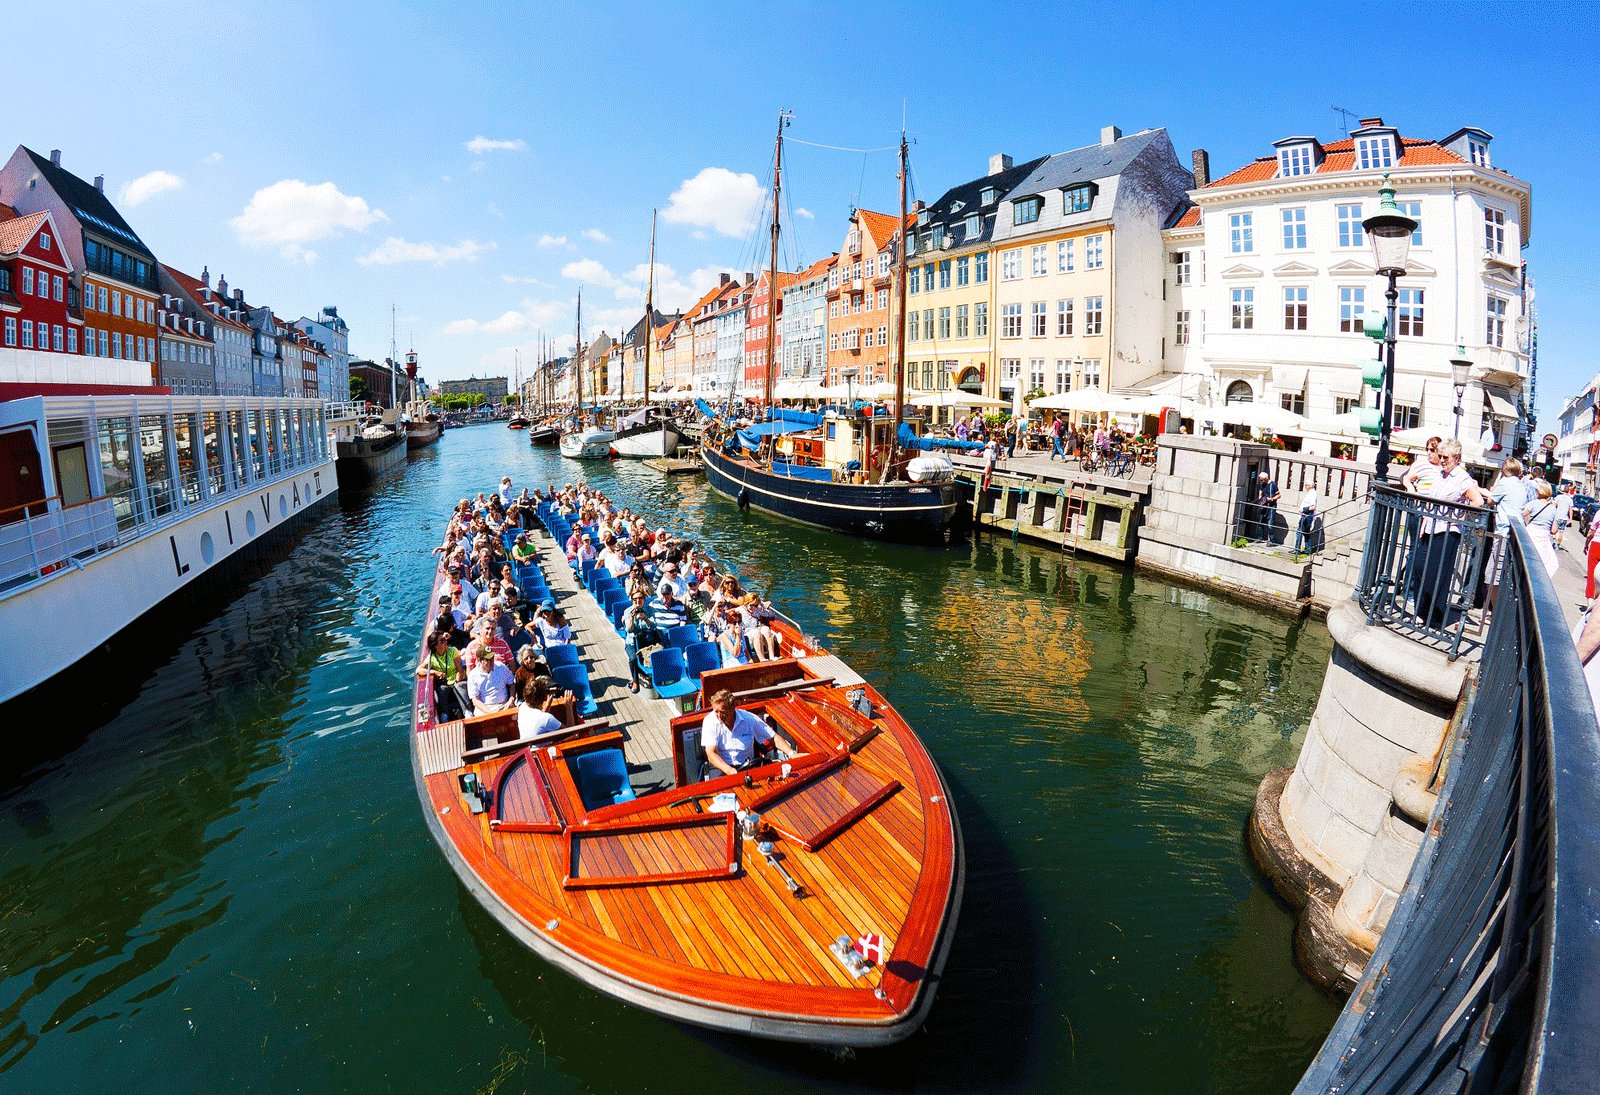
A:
(704, 408)
(787, 422)
(909, 440)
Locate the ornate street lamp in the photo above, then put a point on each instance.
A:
(1390, 230)
(1460, 372)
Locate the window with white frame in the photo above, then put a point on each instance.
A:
(963, 270)
(1407, 416)
(1064, 317)
(980, 320)
(1011, 321)
(1494, 231)
(1241, 233)
(944, 273)
(1352, 303)
(1408, 312)
(833, 278)
(27, 281)
(1094, 252)
(927, 322)
(944, 322)
(833, 309)
(1294, 159)
(1039, 259)
(883, 335)
(1035, 374)
(27, 334)
(1349, 220)
(1180, 334)
(1244, 309)
(1036, 319)
(116, 344)
(104, 306)
(105, 343)
(11, 330)
(1091, 372)
(1010, 368)
(883, 264)
(1494, 333)
(1343, 404)
(833, 341)
(1063, 375)
(1078, 199)
(980, 268)
(963, 320)
(1093, 315)
(1296, 307)
(1183, 268)
(1294, 228)
(914, 280)
(72, 340)
(58, 338)
(58, 288)
(1026, 210)
(1010, 265)
(1293, 402)
(1374, 153)
(1413, 210)
(44, 241)
(974, 225)
(1478, 152)
(866, 338)
(883, 299)
(1065, 260)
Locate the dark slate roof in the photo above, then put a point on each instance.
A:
(636, 332)
(967, 195)
(1096, 161)
(92, 208)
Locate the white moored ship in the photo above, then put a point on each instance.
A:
(594, 443)
(112, 503)
(647, 432)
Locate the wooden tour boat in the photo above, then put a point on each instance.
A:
(742, 903)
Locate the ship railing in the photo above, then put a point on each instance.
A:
(346, 408)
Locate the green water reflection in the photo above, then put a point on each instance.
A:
(228, 885)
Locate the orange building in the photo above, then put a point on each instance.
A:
(859, 295)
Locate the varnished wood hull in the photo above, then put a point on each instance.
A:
(671, 945)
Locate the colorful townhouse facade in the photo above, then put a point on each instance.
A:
(1270, 274)
(231, 336)
(1078, 259)
(704, 327)
(858, 294)
(330, 331)
(949, 329)
(185, 350)
(763, 304)
(803, 327)
(729, 310)
(35, 282)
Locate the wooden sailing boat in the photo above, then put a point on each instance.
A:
(649, 431)
(845, 470)
(582, 441)
(808, 899)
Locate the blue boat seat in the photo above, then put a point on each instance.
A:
(575, 679)
(602, 778)
(698, 658)
(669, 676)
(564, 654)
(683, 636)
(586, 571)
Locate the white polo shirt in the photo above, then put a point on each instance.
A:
(735, 744)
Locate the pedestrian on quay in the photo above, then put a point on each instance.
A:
(1056, 451)
(1012, 433)
(991, 452)
(1306, 538)
(1563, 504)
(1539, 515)
(1509, 495)
(1264, 505)
(1433, 561)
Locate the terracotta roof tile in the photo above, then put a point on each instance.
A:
(1340, 156)
(880, 226)
(1189, 219)
(16, 232)
(191, 285)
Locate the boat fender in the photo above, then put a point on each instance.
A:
(744, 499)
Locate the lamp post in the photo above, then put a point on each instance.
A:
(1390, 230)
(1460, 370)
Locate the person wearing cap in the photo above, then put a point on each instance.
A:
(551, 626)
(489, 683)
(671, 576)
(522, 551)
(1265, 506)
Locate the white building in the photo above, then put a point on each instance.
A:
(1078, 256)
(803, 328)
(1268, 277)
(1575, 447)
(333, 383)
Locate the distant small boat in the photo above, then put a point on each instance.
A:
(648, 432)
(593, 443)
(518, 422)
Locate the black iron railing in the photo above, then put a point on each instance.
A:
(1422, 567)
(1488, 975)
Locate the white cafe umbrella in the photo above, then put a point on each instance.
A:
(954, 398)
(1090, 399)
(1260, 416)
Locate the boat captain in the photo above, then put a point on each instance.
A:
(735, 739)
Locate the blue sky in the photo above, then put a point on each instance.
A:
(475, 163)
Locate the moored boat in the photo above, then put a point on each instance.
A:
(368, 442)
(647, 432)
(591, 443)
(544, 434)
(809, 897)
(517, 422)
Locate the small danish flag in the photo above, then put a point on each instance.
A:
(870, 947)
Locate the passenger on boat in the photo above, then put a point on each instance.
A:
(551, 626)
(734, 739)
(522, 633)
(506, 494)
(489, 596)
(489, 682)
(458, 610)
(500, 623)
(671, 577)
(484, 636)
(529, 665)
(533, 717)
(638, 581)
(639, 633)
(728, 589)
(666, 610)
(586, 552)
(754, 617)
(442, 664)
(614, 557)
(722, 627)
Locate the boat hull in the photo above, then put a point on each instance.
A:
(419, 435)
(648, 441)
(593, 445)
(362, 462)
(903, 512)
(544, 436)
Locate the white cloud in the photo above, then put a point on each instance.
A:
(214, 158)
(396, 250)
(802, 211)
(698, 235)
(596, 235)
(672, 292)
(481, 144)
(560, 242)
(506, 323)
(514, 279)
(290, 213)
(717, 198)
(478, 165)
(145, 187)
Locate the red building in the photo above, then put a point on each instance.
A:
(755, 331)
(35, 285)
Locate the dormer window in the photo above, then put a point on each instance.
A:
(956, 207)
(922, 218)
(938, 235)
(853, 244)
(974, 225)
(1295, 159)
(1375, 151)
(987, 196)
(1026, 210)
(1478, 152)
(1078, 199)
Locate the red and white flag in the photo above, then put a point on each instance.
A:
(870, 947)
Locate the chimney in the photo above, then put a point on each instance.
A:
(1369, 123)
(1110, 135)
(238, 295)
(999, 162)
(205, 276)
(222, 286)
(55, 156)
(100, 183)
(1202, 168)
(724, 278)
(918, 205)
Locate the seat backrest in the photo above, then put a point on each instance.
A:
(600, 776)
(565, 654)
(615, 611)
(683, 636)
(587, 570)
(700, 657)
(666, 665)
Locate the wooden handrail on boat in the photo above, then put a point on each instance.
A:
(549, 737)
(622, 877)
(542, 791)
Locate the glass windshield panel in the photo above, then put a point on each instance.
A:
(211, 422)
(158, 483)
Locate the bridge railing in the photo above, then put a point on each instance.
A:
(1422, 567)
(1488, 975)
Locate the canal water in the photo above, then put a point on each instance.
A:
(224, 882)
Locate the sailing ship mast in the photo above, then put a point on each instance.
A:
(649, 308)
(772, 261)
(394, 359)
(900, 303)
(577, 351)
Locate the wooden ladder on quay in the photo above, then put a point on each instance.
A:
(1072, 510)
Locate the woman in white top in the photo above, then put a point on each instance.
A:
(551, 626)
(1540, 516)
(753, 616)
(1508, 495)
(532, 718)
(1433, 561)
